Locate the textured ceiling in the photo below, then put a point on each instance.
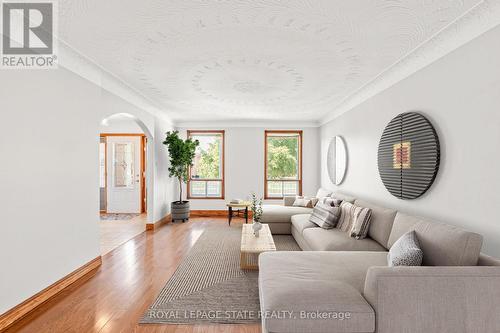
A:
(251, 60)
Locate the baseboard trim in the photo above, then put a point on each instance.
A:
(216, 213)
(157, 224)
(208, 213)
(21, 310)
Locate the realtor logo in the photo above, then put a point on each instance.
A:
(28, 35)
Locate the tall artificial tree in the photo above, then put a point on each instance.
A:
(181, 154)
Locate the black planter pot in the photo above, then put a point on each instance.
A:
(180, 210)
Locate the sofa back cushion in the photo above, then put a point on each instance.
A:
(442, 244)
(343, 197)
(323, 192)
(381, 222)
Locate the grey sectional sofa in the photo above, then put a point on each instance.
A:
(339, 284)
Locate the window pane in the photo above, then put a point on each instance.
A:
(283, 156)
(208, 158)
(274, 189)
(290, 188)
(123, 164)
(198, 189)
(214, 189)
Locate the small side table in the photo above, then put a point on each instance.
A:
(239, 207)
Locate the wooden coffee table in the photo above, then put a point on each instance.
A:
(252, 246)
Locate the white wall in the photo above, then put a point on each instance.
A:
(244, 168)
(121, 125)
(49, 193)
(460, 94)
(164, 192)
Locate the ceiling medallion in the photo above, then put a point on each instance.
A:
(248, 86)
(246, 82)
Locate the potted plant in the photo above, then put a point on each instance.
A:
(181, 154)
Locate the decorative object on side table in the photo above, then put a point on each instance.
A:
(181, 154)
(257, 214)
(408, 155)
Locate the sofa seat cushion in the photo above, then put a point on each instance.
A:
(334, 239)
(301, 222)
(442, 244)
(316, 282)
(278, 213)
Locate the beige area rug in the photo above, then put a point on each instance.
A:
(117, 217)
(209, 286)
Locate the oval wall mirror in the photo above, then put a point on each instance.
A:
(337, 160)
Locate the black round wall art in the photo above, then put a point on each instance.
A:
(408, 155)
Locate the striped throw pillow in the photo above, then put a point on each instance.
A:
(331, 201)
(336, 202)
(361, 222)
(346, 219)
(325, 216)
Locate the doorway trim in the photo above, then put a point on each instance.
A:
(143, 167)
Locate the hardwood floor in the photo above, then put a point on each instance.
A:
(114, 297)
(116, 232)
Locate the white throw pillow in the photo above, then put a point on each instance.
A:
(302, 202)
(406, 251)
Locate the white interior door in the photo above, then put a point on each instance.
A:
(124, 174)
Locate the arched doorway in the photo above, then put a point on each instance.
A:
(125, 168)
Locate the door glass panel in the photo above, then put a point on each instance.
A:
(102, 164)
(123, 164)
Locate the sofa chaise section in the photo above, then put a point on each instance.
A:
(279, 217)
(302, 284)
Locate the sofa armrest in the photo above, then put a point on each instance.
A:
(288, 200)
(434, 299)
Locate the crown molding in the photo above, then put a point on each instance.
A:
(83, 66)
(273, 124)
(478, 20)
